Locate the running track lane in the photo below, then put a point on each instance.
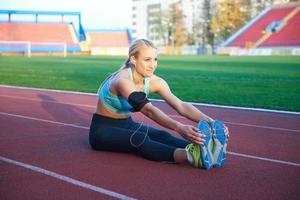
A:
(49, 130)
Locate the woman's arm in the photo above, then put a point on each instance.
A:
(184, 109)
(126, 87)
(190, 133)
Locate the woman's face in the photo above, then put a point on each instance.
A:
(146, 61)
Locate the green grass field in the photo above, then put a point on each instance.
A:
(263, 82)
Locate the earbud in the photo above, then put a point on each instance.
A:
(132, 60)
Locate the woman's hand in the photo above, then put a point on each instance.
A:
(191, 134)
(226, 131)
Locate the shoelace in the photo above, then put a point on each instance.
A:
(191, 147)
(214, 130)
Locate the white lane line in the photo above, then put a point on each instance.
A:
(158, 100)
(84, 127)
(48, 101)
(265, 127)
(173, 116)
(239, 108)
(249, 125)
(44, 120)
(47, 90)
(265, 159)
(67, 179)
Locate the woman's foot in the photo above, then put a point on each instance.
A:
(201, 154)
(220, 143)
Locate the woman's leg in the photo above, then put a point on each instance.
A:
(151, 143)
(156, 144)
(163, 137)
(122, 140)
(182, 156)
(110, 134)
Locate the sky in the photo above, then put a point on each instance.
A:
(95, 14)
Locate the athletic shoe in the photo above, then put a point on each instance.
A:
(220, 143)
(194, 150)
(206, 159)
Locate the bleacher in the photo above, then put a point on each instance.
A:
(289, 35)
(273, 32)
(40, 33)
(257, 30)
(108, 42)
(39, 37)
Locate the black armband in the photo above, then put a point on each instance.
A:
(137, 100)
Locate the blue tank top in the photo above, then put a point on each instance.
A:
(117, 103)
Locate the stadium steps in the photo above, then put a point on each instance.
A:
(292, 14)
(262, 39)
(73, 34)
(84, 46)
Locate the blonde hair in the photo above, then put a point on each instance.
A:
(134, 50)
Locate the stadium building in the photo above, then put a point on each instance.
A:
(271, 32)
(35, 35)
(56, 33)
(145, 15)
(108, 42)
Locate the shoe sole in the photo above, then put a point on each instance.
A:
(219, 134)
(205, 158)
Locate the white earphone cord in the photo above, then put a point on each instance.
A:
(136, 131)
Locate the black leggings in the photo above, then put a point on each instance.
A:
(117, 135)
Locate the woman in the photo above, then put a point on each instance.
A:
(125, 91)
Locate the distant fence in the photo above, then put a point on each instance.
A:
(263, 51)
(162, 50)
(186, 50)
(109, 51)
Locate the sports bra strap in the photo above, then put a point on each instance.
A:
(146, 85)
(130, 73)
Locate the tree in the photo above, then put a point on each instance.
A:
(208, 37)
(170, 26)
(202, 34)
(179, 34)
(161, 27)
(229, 17)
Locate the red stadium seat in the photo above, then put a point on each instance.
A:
(257, 30)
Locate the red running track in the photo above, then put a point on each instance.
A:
(44, 154)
